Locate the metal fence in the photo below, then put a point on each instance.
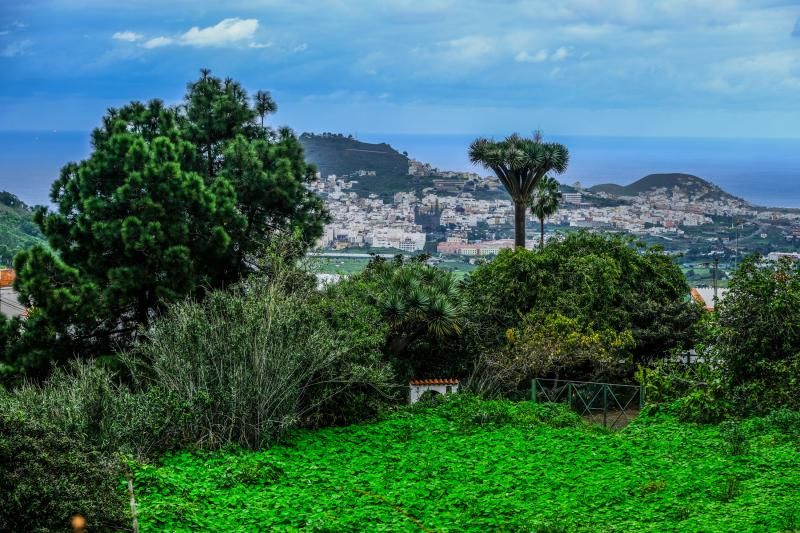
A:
(609, 404)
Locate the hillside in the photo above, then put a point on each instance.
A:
(693, 185)
(333, 153)
(17, 228)
(340, 155)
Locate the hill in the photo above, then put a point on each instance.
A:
(340, 155)
(17, 228)
(334, 153)
(692, 185)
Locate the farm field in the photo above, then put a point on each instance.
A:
(472, 465)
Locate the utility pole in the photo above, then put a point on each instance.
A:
(716, 265)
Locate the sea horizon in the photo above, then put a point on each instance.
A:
(31, 160)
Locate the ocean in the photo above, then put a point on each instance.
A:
(763, 171)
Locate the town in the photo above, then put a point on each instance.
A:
(467, 215)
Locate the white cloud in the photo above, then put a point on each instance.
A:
(225, 32)
(525, 57)
(157, 42)
(127, 36)
(301, 47)
(466, 50)
(768, 70)
(559, 54)
(17, 48)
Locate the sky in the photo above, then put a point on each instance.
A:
(678, 68)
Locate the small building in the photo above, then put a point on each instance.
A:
(418, 387)
(705, 296)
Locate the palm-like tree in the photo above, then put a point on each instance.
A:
(519, 164)
(417, 300)
(265, 105)
(544, 202)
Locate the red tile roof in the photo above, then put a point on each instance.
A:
(7, 276)
(434, 381)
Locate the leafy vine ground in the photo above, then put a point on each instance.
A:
(483, 465)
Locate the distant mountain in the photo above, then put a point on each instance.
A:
(337, 154)
(697, 187)
(17, 228)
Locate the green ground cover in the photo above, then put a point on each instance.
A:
(469, 465)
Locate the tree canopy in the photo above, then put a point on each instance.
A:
(544, 202)
(171, 201)
(756, 335)
(519, 164)
(605, 282)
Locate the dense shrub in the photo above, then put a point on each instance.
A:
(469, 411)
(86, 399)
(48, 474)
(556, 345)
(417, 307)
(696, 393)
(757, 338)
(605, 282)
(258, 359)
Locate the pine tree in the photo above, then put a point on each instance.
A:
(171, 202)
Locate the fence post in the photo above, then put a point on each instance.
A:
(605, 405)
(569, 395)
(642, 387)
(534, 391)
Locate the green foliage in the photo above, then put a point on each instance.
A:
(520, 164)
(340, 155)
(557, 345)
(695, 393)
(469, 411)
(544, 202)
(87, 401)
(604, 282)
(419, 306)
(171, 202)
(462, 464)
(259, 359)
(757, 338)
(48, 474)
(18, 230)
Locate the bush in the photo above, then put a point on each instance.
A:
(604, 282)
(469, 410)
(757, 338)
(48, 474)
(695, 393)
(557, 346)
(257, 358)
(85, 399)
(415, 306)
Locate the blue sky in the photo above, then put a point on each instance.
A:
(701, 68)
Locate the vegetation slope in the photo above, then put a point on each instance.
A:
(470, 465)
(18, 231)
(691, 184)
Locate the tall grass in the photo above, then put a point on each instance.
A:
(256, 358)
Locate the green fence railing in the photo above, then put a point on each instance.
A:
(612, 405)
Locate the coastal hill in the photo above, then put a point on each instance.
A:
(334, 153)
(17, 228)
(692, 185)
